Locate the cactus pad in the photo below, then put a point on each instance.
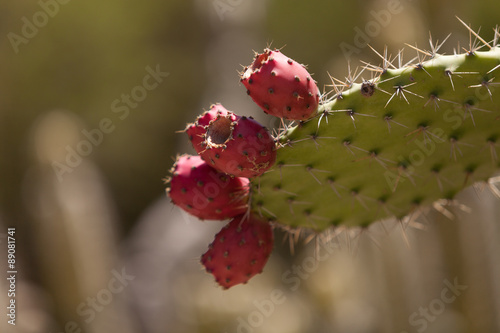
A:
(383, 147)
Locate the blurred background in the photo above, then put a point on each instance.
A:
(92, 94)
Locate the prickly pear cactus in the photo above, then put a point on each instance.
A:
(412, 135)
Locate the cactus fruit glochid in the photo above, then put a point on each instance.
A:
(281, 86)
(205, 192)
(239, 251)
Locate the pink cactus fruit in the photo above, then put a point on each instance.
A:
(239, 146)
(239, 251)
(204, 192)
(281, 86)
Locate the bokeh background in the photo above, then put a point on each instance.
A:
(79, 228)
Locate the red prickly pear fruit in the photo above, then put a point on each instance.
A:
(196, 131)
(281, 86)
(239, 146)
(239, 251)
(206, 193)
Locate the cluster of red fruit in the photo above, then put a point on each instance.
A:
(231, 149)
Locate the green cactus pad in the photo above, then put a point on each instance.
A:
(384, 147)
